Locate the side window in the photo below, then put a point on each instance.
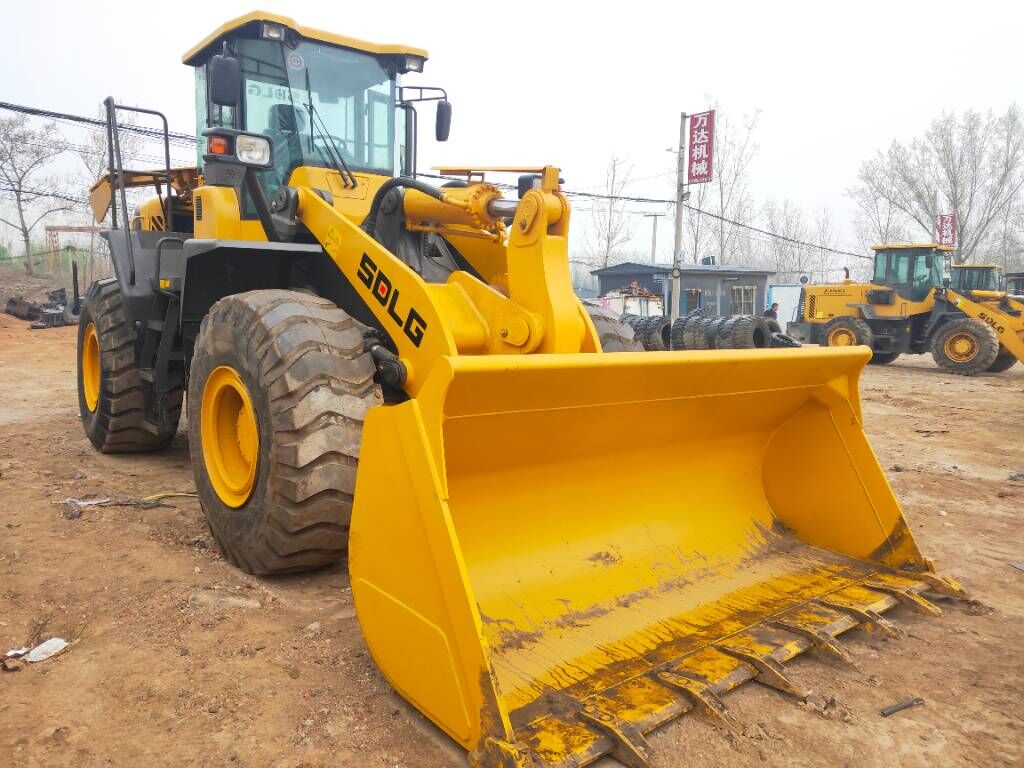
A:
(200, 115)
(378, 116)
(922, 274)
(881, 264)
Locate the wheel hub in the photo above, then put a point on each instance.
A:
(91, 367)
(230, 436)
(961, 347)
(842, 337)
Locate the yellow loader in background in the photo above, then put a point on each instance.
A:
(380, 368)
(968, 322)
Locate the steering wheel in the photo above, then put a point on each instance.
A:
(326, 146)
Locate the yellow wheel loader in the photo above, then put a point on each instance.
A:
(967, 321)
(399, 372)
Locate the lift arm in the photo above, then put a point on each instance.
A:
(427, 321)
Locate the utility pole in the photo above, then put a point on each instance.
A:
(654, 233)
(677, 255)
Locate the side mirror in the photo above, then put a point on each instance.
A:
(225, 77)
(444, 120)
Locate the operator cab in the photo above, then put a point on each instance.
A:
(976, 277)
(302, 98)
(913, 270)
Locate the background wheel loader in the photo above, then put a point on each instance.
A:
(970, 325)
(378, 366)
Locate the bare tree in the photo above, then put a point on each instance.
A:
(972, 165)
(610, 227)
(787, 258)
(878, 221)
(25, 154)
(727, 195)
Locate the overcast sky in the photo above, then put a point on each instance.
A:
(571, 83)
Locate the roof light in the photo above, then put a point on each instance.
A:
(414, 63)
(273, 31)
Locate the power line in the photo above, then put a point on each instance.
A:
(174, 136)
(190, 139)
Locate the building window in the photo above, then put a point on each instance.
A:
(743, 299)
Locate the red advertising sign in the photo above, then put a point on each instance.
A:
(702, 147)
(947, 229)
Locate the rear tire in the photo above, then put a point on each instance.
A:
(111, 392)
(614, 334)
(1004, 361)
(847, 332)
(965, 346)
(309, 384)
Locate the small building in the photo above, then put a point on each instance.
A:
(727, 289)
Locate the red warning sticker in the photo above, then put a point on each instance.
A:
(295, 61)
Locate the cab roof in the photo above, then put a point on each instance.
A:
(309, 33)
(975, 266)
(899, 246)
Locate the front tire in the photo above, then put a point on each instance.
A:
(1004, 361)
(965, 346)
(883, 358)
(279, 387)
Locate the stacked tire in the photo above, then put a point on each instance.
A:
(696, 330)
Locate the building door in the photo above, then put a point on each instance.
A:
(692, 299)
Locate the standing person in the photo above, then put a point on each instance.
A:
(772, 311)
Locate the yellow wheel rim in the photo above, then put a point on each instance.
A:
(842, 337)
(91, 367)
(230, 436)
(961, 347)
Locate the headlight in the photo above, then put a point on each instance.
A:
(413, 64)
(253, 150)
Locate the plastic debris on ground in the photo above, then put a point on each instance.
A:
(46, 650)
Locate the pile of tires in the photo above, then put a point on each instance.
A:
(699, 330)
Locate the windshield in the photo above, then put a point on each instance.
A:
(317, 101)
(976, 279)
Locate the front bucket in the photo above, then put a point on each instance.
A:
(553, 554)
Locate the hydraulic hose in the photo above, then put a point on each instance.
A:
(370, 223)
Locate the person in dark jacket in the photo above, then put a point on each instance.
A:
(772, 311)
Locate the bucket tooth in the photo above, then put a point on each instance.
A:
(941, 585)
(702, 694)
(630, 747)
(769, 671)
(819, 638)
(865, 616)
(907, 596)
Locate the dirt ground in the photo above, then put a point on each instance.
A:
(179, 659)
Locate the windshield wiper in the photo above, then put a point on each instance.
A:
(333, 153)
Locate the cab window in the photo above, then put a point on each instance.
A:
(901, 268)
(881, 266)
